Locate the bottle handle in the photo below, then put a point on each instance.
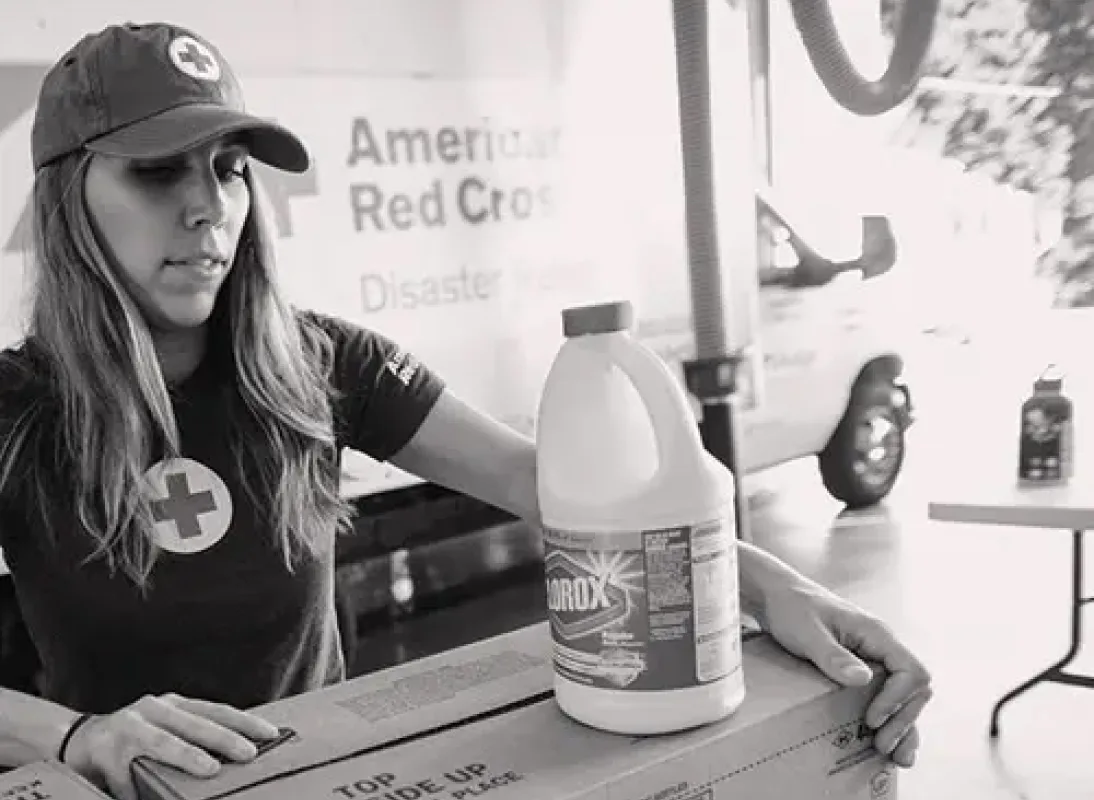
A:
(677, 441)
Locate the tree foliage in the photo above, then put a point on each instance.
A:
(1043, 144)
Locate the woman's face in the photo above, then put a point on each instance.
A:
(171, 227)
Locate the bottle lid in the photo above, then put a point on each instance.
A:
(1051, 380)
(596, 319)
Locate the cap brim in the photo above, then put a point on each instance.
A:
(182, 128)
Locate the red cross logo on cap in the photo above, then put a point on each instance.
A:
(191, 506)
(194, 59)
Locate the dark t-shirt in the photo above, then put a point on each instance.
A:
(224, 618)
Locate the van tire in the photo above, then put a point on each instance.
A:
(848, 473)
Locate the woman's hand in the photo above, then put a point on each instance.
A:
(178, 731)
(818, 625)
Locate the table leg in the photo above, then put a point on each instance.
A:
(1056, 673)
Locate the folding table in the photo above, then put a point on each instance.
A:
(995, 499)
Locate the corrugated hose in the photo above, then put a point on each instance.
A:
(842, 80)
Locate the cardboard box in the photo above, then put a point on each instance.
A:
(46, 780)
(480, 721)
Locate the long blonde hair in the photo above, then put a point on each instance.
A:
(114, 409)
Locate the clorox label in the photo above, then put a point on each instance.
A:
(648, 610)
(581, 598)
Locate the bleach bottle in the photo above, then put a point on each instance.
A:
(639, 538)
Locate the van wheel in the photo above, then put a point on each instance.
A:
(862, 460)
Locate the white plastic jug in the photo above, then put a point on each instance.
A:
(640, 544)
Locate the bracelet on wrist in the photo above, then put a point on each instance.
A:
(78, 723)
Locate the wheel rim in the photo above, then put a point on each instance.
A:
(878, 446)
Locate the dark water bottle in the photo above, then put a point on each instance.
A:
(1045, 446)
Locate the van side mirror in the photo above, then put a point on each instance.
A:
(785, 259)
(879, 247)
(876, 256)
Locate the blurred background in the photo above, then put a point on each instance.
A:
(936, 258)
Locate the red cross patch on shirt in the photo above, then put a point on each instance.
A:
(191, 505)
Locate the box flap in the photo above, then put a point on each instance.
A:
(46, 779)
(376, 710)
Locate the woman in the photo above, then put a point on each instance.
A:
(170, 434)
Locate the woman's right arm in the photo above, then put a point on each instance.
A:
(30, 728)
(178, 731)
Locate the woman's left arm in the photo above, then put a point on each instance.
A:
(465, 450)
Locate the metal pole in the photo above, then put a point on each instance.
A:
(711, 377)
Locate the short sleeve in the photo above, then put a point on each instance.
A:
(383, 392)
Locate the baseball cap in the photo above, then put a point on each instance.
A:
(150, 91)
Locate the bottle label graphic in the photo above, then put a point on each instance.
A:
(652, 610)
